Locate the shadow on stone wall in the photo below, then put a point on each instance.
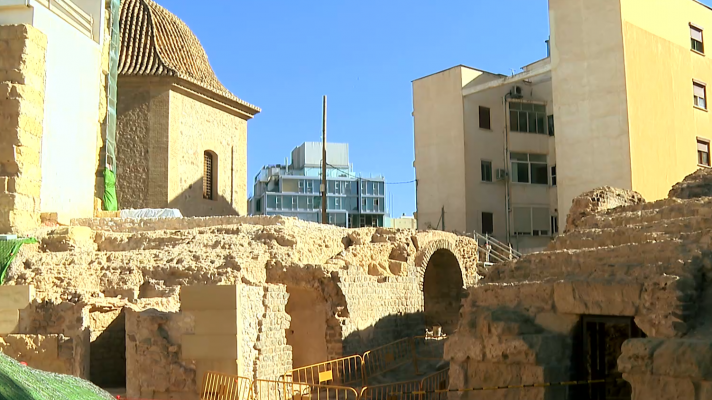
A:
(388, 329)
(192, 204)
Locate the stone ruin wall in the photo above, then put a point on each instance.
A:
(22, 86)
(95, 280)
(647, 261)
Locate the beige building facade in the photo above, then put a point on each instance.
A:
(620, 101)
(181, 135)
(53, 107)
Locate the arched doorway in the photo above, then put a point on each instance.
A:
(442, 289)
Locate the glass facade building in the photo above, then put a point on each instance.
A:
(294, 190)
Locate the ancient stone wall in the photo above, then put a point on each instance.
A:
(162, 133)
(198, 126)
(137, 140)
(52, 353)
(154, 364)
(22, 86)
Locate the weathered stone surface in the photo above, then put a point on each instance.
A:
(599, 200)
(696, 185)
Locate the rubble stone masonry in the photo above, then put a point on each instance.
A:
(22, 87)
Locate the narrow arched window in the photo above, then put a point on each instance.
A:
(209, 175)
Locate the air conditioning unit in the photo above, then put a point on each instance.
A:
(501, 174)
(517, 92)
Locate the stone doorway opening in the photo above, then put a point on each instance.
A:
(107, 352)
(442, 291)
(597, 347)
(307, 329)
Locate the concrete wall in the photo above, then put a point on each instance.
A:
(69, 142)
(660, 67)
(439, 137)
(196, 126)
(22, 87)
(162, 133)
(590, 103)
(71, 117)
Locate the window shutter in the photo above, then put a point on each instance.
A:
(699, 91)
(704, 147)
(696, 33)
(208, 176)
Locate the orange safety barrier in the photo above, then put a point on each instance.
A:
(263, 389)
(392, 391)
(438, 381)
(217, 386)
(342, 371)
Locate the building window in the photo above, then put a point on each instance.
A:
(550, 124)
(258, 205)
(703, 152)
(700, 95)
(486, 169)
(529, 168)
(301, 186)
(698, 43)
(485, 122)
(209, 175)
(527, 117)
(553, 175)
(555, 224)
(531, 221)
(487, 223)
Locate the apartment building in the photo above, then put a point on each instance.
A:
(620, 100)
(294, 189)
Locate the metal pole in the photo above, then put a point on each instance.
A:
(324, 215)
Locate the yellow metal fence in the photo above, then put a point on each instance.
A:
(217, 386)
(342, 371)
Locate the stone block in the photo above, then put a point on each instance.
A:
(637, 355)
(210, 347)
(9, 321)
(16, 297)
(681, 358)
(646, 387)
(557, 323)
(14, 201)
(216, 322)
(228, 367)
(217, 297)
(18, 221)
(597, 298)
(24, 186)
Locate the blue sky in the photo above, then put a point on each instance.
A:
(283, 55)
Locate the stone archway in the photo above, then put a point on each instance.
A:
(442, 285)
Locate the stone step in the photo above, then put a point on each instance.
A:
(687, 229)
(648, 213)
(636, 261)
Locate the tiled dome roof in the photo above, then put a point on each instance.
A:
(155, 42)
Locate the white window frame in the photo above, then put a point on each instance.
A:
(699, 102)
(552, 170)
(491, 170)
(529, 167)
(694, 30)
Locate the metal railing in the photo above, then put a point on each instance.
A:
(263, 389)
(494, 251)
(389, 357)
(429, 347)
(437, 381)
(217, 386)
(389, 391)
(342, 371)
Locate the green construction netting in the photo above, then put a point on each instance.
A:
(110, 203)
(18, 382)
(8, 251)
